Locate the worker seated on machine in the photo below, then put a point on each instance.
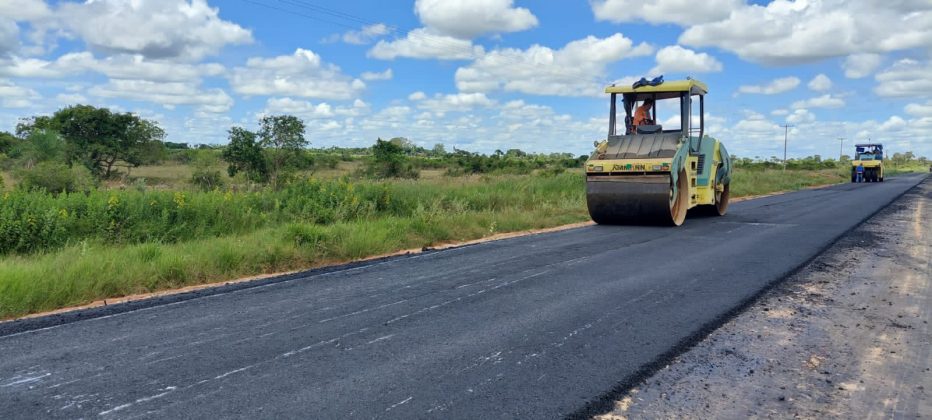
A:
(642, 123)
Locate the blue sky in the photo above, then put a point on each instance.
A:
(478, 74)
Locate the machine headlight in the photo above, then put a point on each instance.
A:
(597, 169)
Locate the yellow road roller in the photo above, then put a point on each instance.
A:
(650, 171)
(870, 157)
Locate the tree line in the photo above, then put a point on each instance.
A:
(81, 146)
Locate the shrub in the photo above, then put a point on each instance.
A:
(326, 160)
(54, 177)
(389, 161)
(5, 162)
(205, 175)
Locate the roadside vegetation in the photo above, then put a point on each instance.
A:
(121, 211)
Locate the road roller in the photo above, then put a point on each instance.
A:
(870, 157)
(646, 173)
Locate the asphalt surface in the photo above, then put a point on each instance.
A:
(539, 326)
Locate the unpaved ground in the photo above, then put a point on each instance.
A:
(847, 337)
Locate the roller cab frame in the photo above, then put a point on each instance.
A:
(654, 174)
(871, 156)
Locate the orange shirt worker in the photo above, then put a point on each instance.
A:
(642, 114)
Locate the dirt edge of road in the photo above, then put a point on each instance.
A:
(606, 402)
(106, 307)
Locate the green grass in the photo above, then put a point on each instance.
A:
(748, 182)
(912, 167)
(218, 236)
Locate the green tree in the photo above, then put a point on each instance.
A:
(99, 139)
(8, 143)
(26, 126)
(244, 154)
(282, 136)
(389, 161)
(406, 146)
(41, 146)
(439, 150)
(153, 153)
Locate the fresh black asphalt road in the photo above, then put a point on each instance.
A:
(531, 327)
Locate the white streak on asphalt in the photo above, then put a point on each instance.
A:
(473, 284)
(164, 359)
(362, 311)
(320, 343)
(473, 294)
(168, 390)
(381, 338)
(115, 409)
(26, 380)
(235, 371)
(63, 383)
(399, 403)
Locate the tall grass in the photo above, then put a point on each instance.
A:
(747, 182)
(35, 221)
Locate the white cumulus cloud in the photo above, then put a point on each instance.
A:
(301, 74)
(24, 9)
(919, 110)
(676, 59)
(857, 66)
(425, 43)
(15, 96)
(9, 36)
(577, 69)
(370, 75)
(167, 94)
(120, 66)
(186, 29)
(905, 78)
(310, 111)
(456, 102)
(820, 83)
(787, 32)
(800, 116)
(365, 35)
(783, 84)
(682, 12)
(824, 101)
(466, 19)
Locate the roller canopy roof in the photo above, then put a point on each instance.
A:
(673, 87)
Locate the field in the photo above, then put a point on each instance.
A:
(154, 231)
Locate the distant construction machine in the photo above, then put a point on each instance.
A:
(871, 157)
(645, 174)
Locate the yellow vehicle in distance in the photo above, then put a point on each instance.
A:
(651, 174)
(869, 155)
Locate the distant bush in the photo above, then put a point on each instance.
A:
(207, 179)
(552, 171)
(55, 178)
(389, 161)
(205, 175)
(5, 162)
(327, 161)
